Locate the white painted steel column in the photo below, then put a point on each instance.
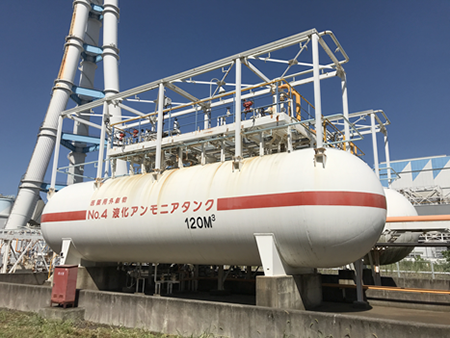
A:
(159, 131)
(207, 122)
(261, 144)
(28, 193)
(345, 110)
(237, 134)
(107, 159)
(388, 158)
(180, 158)
(289, 140)
(87, 76)
(101, 149)
(111, 65)
(374, 144)
(359, 281)
(203, 155)
(6, 253)
(222, 151)
(56, 157)
(317, 96)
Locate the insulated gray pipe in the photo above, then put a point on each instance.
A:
(111, 65)
(87, 75)
(28, 193)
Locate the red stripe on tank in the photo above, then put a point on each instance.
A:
(290, 199)
(336, 198)
(64, 216)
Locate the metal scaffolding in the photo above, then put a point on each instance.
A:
(226, 110)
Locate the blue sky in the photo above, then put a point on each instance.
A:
(398, 50)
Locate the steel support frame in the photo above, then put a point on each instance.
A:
(223, 63)
(16, 245)
(231, 61)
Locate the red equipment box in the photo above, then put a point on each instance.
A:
(64, 285)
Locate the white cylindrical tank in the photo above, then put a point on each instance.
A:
(320, 216)
(6, 204)
(397, 206)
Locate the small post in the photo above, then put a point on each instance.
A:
(159, 131)
(237, 133)
(360, 302)
(222, 151)
(388, 159)
(290, 148)
(101, 149)
(180, 158)
(345, 110)
(317, 95)
(374, 144)
(52, 189)
(261, 144)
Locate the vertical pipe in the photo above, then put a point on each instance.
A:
(108, 146)
(237, 135)
(180, 158)
(317, 97)
(111, 64)
(345, 111)
(222, 151)
(101, 148)
(388, 158)
(159, 131)
(203, 155)
(277, 98)
(374, 144)
(289, 140)
(88, 67)
(28, 193)
(196, 113)
(206, 123)
(261, 144)
(56, 156)
(292, 106)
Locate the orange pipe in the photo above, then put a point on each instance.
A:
(387, 288)
(297, 99)
(429, 218)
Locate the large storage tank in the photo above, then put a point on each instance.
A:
(397, 206)
(321, 216)
(6, 203)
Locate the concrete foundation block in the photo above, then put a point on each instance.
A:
(289, 292)
(162, 314)
(31, 278)
(72, 314)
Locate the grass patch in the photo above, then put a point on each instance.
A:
(26, 324)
